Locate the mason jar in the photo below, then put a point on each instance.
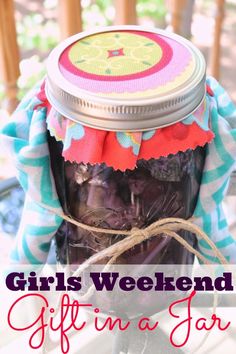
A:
(126, 141)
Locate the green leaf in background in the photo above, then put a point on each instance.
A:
(154, 9)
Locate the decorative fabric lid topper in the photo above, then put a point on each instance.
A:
(125, 78)
(122, 150)
(123, 94)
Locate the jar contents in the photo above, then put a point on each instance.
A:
(100, 196)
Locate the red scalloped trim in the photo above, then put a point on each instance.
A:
(103, 146)
(108, 150)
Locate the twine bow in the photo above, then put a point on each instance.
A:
(167, 226)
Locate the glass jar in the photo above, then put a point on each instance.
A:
(125, 79)
(103, 197)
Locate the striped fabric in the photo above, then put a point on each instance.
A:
(25, 137)
(219, 164)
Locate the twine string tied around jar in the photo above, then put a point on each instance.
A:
(163, 227)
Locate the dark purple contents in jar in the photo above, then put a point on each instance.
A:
(100, 196)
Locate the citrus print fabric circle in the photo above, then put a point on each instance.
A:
(126, 64)
(117, 55)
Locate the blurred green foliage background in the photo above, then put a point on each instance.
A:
(38, 31)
